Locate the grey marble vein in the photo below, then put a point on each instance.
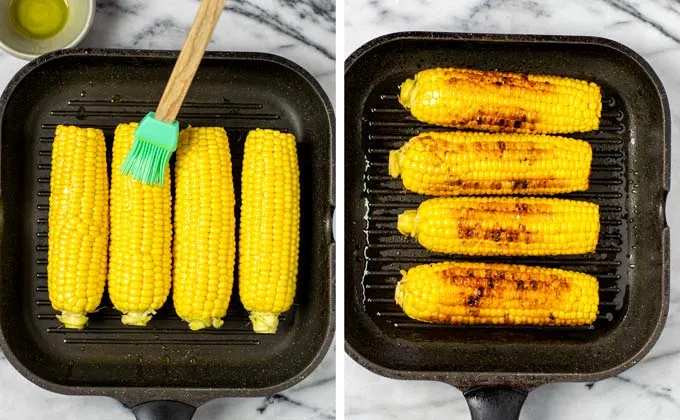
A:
(117, 8)
(283, 399)
(303, 10)
(157, 30)
(630, 8)
(663, 392)
(536, 8)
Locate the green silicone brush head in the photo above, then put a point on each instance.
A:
(155, 142)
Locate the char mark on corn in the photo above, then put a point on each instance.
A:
(469, 163)
(501, 101)
(479, 293)
(511, 226)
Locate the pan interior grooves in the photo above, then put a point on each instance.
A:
(104, 326)
(386, 126)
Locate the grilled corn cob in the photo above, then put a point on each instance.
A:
(269, 229)
(78, 223)
(496, 101)
(503, 225)
(204, 244)
(480, 293)
(141, 236)
(468, 163)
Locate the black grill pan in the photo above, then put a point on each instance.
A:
(496, 366)
(166, 361)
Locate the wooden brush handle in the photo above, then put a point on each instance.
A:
(189, 58)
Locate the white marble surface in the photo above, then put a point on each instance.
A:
(302, 31)
(650, 390)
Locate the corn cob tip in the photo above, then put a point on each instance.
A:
(394, 166)
(72, 320)
(399, 291)
(407, 93)
(137, 318)
(407, 222)
(200, 324)
(264, 322)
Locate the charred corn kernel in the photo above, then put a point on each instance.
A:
(503, 225)
(78, 221)
(469, 163)
(141, 237)
(506, 294)
(204, 242)
(496, 101)
(270, 227)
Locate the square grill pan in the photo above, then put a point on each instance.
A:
(629, 180)
(166, 361)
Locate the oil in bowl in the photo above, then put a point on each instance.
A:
(38, 19)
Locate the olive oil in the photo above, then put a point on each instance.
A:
(38, 19)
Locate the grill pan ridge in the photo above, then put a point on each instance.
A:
(165, 361)
(629, 180)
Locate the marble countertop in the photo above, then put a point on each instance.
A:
(651, 389)
(302, 31)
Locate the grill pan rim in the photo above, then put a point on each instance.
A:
(195, 396)
(523, 380)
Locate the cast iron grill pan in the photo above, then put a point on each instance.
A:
(629, 181)
(101, 88)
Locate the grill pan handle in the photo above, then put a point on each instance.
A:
(163, 410)
(490, 403)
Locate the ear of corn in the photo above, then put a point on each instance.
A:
(78, 223)
(479, 293)
(496, 101)
(470, 163)
(141, 236)
(503, 225)
(269, 228)
(204, 244)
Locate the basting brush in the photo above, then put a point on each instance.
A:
(157, 134)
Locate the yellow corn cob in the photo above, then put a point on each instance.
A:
(495, 101)
(469, 163)
(204, 244)
(269, 230)
(503, 225)
(479, 293)
(141, 235)
(78, 223)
